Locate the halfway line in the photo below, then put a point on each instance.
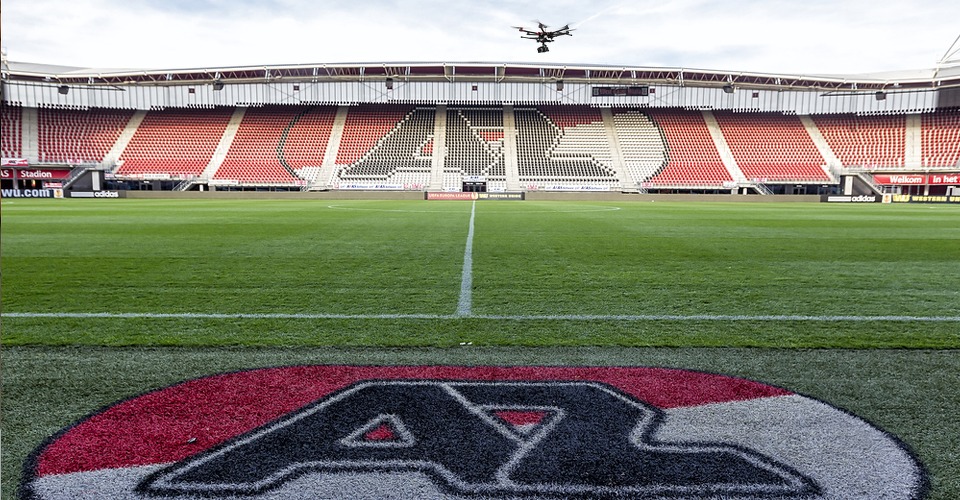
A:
(465, 305)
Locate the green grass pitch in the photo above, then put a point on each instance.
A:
(855, 305)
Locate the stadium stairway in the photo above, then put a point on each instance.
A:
(223, 146)
(638, 146)
(78, 136)
(324, 179)
(29, 138)
(174, 142)
(913, 142)
(726, 155)
(559, 148)
(628, 182)
(110, 160)
(474, 143)
(771, 147)
(439, 147)
(512, 173)
(832, 165)
(692, 158)
(865, 141)
(388, 147)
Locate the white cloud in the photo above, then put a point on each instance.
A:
(814, 36)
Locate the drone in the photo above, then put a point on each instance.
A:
(544, 36)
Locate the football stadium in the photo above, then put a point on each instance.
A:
(455, 280)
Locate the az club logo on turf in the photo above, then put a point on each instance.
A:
(482, 437)
(494, 432)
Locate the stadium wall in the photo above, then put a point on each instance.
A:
(418, 195)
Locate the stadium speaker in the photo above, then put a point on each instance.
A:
(728, 89)
(63, 89)
(881, 96)
(389, 83)
(218, 85)
(559, 85)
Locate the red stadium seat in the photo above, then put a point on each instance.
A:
(865, 141)
(772, 146)
(693, 158)
(176, 142)
(274, 143)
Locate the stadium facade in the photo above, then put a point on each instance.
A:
(481, 126)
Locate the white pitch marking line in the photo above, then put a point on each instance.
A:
(517, 317)
(465, 304)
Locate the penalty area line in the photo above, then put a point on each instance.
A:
(492, 317)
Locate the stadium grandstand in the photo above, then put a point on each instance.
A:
(481, 127)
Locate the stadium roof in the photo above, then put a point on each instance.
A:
(945, 75)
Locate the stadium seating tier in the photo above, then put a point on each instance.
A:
(274, 144)
(175, 142)
(552, 156)
(556, 147)
(73, 136)
(692, 157)
(940, 138)
(11, 138)
(389, 146)
(772, 147)
(865, 141)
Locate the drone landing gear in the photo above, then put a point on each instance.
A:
(543, 48)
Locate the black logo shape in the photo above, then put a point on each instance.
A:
(571, 439)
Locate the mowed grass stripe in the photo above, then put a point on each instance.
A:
(230, 256)
(598, 317)
(721, 259)
(645, 274)
(418, 332)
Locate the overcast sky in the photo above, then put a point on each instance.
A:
(784, 36)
